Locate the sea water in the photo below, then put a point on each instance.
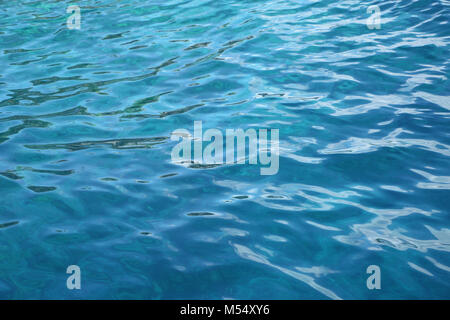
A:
(89, 99)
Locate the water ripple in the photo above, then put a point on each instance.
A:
(86, 176)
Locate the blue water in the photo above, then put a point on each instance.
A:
(86, 176)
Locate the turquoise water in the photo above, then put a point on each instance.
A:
(86, 176)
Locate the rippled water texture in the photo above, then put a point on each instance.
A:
(86, 176)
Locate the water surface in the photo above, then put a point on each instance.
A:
(85, 171)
